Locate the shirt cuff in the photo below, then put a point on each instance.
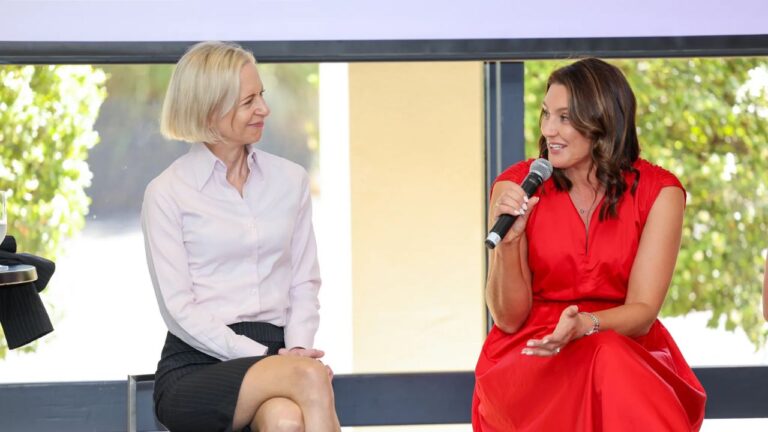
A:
(298, 339)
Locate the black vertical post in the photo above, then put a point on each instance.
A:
(504, 124)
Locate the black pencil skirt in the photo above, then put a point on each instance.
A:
(196, 392)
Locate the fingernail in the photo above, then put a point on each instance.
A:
(530, 343)
(525, 206)
(526, 352)
(525, 198)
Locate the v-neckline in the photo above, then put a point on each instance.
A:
(590, 218)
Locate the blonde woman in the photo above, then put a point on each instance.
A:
(232, 256)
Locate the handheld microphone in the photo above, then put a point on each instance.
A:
(540, 171)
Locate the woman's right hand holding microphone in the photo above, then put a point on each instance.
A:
(511, 199)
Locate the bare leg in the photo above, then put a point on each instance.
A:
(302, 380)
(278, 415)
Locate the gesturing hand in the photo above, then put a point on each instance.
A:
(567, 329)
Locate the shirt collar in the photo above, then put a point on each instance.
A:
(204, 163)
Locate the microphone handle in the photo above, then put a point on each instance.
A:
(531, 183)
(499, 230)
(505, 221)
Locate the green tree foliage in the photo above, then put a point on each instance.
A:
(704, 120)
(46, 129)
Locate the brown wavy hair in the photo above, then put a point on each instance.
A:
(601, 106)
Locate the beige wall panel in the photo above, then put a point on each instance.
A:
(417, 195)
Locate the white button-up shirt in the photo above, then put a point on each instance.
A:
(217, 258)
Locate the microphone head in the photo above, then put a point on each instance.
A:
(542, 167)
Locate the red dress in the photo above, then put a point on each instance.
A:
(603, 382)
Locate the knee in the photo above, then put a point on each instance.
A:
(290, 425)
(278, 415)
(608, 343)
(615, 357)
(311, 373)
(284, 424)
(607, 348)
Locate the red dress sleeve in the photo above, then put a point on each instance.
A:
(653, 179)
(515, 173)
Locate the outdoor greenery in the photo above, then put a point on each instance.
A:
(47, 115)
(704, 120)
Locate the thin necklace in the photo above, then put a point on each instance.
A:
(586, 210)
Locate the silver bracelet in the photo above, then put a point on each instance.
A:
(595, 323)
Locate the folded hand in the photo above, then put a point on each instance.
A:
(306, 352)
(302, 352)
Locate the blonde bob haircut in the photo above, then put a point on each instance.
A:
(204, 87)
